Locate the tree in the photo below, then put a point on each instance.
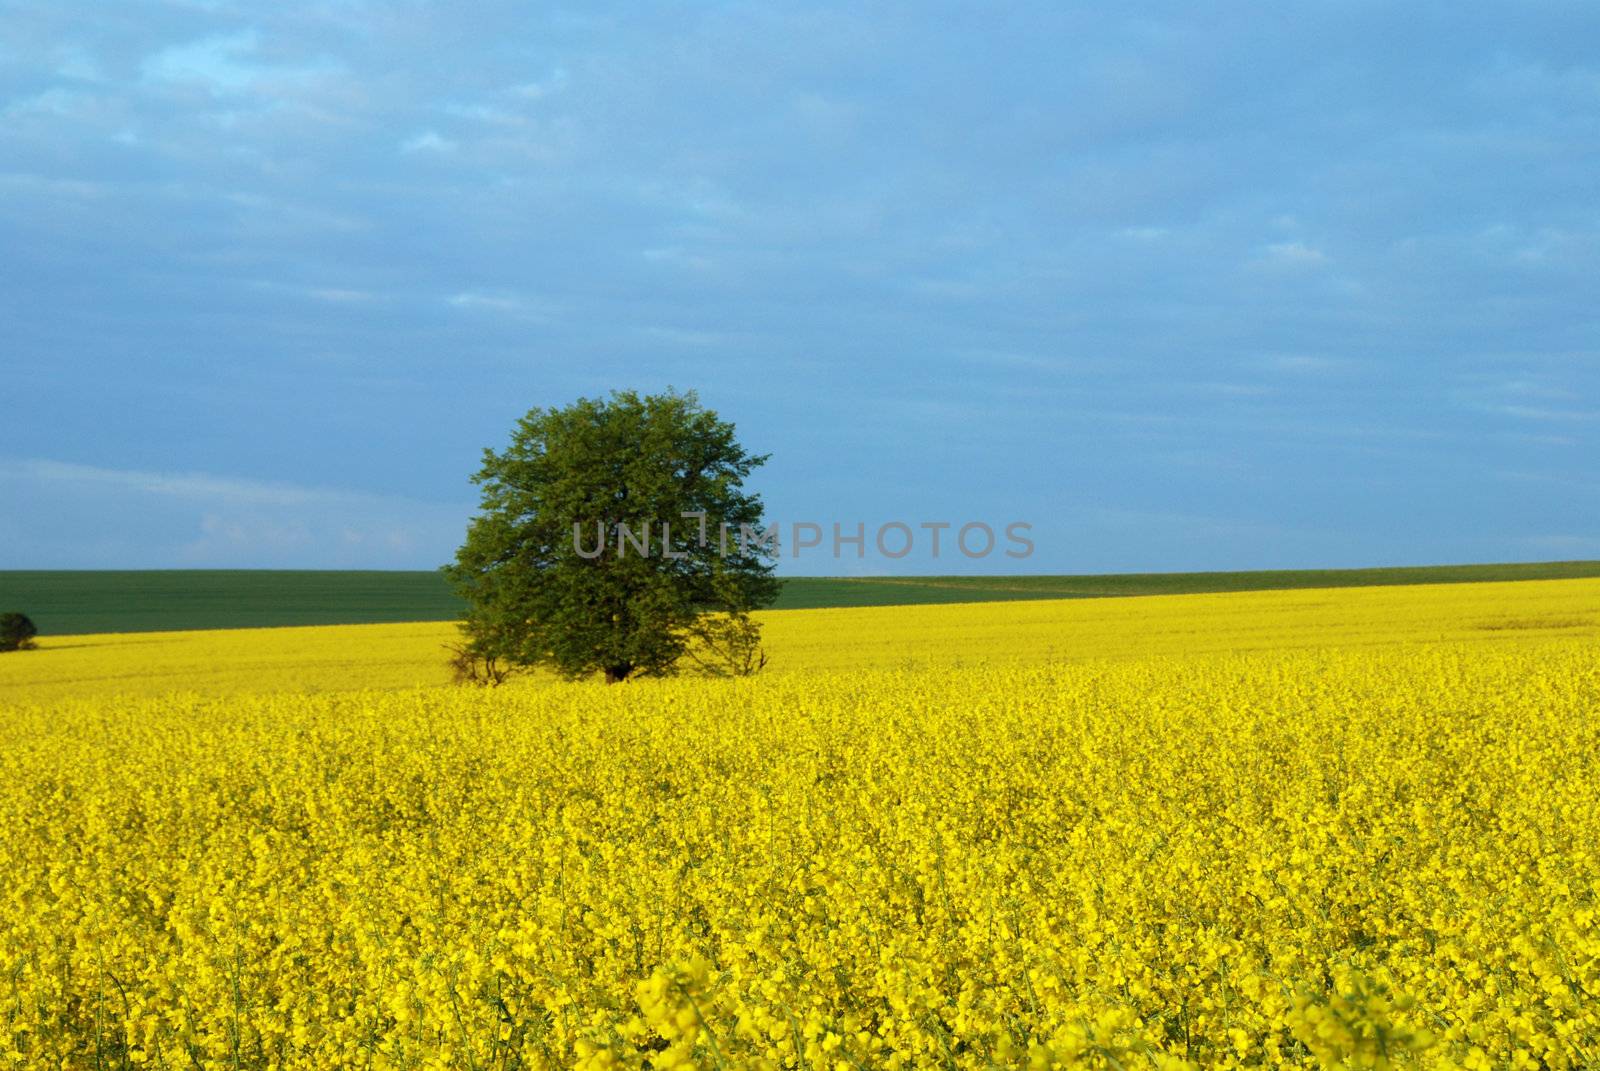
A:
(16, 632)
(615, 536)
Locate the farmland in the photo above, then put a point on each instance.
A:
(412, 655)
(1332, 827)
(76, 602)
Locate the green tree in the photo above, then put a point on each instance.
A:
(615, 536)
(16, 632)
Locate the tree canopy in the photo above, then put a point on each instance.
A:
(615, 536)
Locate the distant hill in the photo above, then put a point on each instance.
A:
(75, 602)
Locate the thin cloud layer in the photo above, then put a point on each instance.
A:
(154, 519)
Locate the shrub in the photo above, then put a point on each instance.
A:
(16, 632)
(470, 664)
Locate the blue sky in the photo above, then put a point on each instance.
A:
(1184, 286)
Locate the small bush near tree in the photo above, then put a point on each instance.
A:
(473, 665)
(16, 632)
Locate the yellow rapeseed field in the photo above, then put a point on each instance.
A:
(348, 657)
(1332, 828)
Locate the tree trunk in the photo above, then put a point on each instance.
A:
(618, 674)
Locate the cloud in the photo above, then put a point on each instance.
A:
(1293, 256)
(678, 257)
(342, 296)
(690, 337)
(1535, 395)
(218, 62)
(553, 83)
(1303, 364)
(428, 141)
(226, 64)
(56, 189)
(1546, 414)
(484, 113)
(1562, 441)
(1568, 546)
(192, 486)
(87, 516)
(57, 103)
(76, 63)
(503, 302)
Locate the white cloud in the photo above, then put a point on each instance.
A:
(553, 83)
(54, 187)
(56, 103)
(1292, 255)
(341, 296)
(1034, 362)
(194, 518)
(1543, 440)
(214, 61)
(1303, 363)
(195, 486)
(1574, 547)
(683, 336)
(220, 534)
(503, 302)
(1533, 388)
(226, 64)
(428, 141)
(77, 64)
(678, 257)
(1544, 413)
(484, 113)
(500, 302)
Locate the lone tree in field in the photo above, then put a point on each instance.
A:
(583, 560)
(16, 632)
